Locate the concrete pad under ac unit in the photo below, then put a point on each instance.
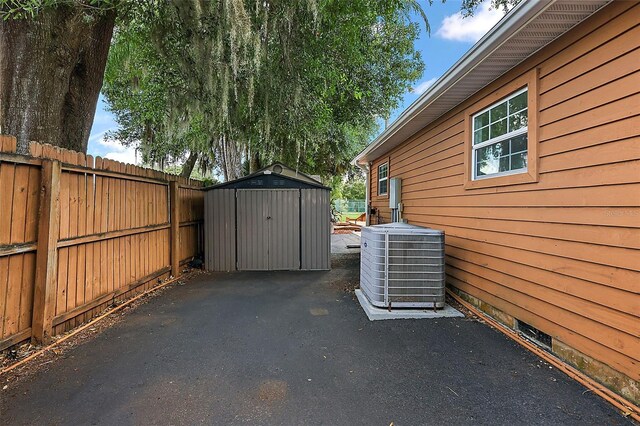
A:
(374, 313)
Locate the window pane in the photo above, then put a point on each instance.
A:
(481, 135)
(518, 120)
(519, 161)
(498, 112)
(519, 143)
(504, 164)
(498, 157)
(488, 158)
(493, 152)
(510, 115)
(494, 165)
(498, 129)
(517, 103)
(481, 120)
(481, 168)
(382, 171)
(383, 187)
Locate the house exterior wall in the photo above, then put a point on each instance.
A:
(559, 250)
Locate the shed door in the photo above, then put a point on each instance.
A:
(252, 239)
(268, 229)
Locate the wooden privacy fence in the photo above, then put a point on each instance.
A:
(76, 233)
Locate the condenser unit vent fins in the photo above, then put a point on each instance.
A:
(402, 266)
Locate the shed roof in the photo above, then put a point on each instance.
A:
(288, 171)
(266, 178)
(524, 30)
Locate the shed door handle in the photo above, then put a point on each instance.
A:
(268, 217)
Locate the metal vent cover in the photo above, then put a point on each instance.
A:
(402, 265)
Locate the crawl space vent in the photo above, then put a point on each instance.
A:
(532, 333)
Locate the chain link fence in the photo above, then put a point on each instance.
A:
(350, 206)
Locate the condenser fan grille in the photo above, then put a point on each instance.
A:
(403, 266)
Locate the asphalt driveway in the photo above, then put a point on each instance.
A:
(295, 348)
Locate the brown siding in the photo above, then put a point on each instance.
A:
(562, 253)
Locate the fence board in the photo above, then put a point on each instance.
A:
(14, 286)
(26, 297)
(112, 237)
(8, 143)
(89, 282)
(33, 200)
(17, 215)
(44, 291)
(19, 204)
(7, 173)
(61, 293)
(4, 277)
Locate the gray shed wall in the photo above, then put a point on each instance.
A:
(219, 230)
(315, 227)
(272, 229)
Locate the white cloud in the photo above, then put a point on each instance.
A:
(97, 138)
(422, 87)
(118, 152)
(110, 143)
(127, 155)
(457, 28)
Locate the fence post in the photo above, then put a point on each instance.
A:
(174, 202)
(47, 254)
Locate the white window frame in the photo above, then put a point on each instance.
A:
(386, 178)
(500, 138)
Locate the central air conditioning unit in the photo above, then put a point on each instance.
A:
(402, 266)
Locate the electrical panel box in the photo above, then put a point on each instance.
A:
(395, 192)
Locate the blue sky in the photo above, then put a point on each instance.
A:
(451, 36)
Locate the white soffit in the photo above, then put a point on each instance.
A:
(527, 28)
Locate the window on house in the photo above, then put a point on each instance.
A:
(383, 179)
(500, 137)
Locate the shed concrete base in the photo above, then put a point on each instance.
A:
(374, 313)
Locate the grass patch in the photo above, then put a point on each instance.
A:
(349, 216)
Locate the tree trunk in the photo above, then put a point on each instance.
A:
(188, 165)
(230, 159)
(51, 71)
(254, 163)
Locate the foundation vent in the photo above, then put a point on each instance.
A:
(532, 333)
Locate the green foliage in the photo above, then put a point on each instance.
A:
(301, 82)
(348, 187)
(243, 81)
(354, 189)
(469, 6)
(137, 86)
(28, 9)
(208, 179)
(336, 183)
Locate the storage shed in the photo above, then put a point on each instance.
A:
(268, 221)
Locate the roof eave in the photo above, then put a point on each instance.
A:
(506, 28)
